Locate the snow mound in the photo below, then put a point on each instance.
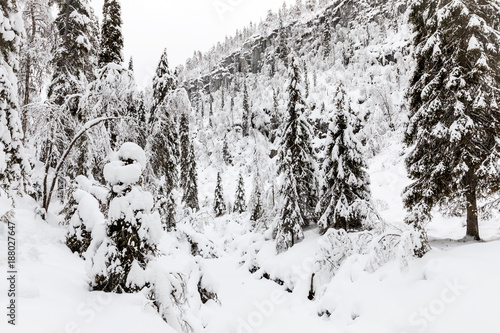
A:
(126, 165)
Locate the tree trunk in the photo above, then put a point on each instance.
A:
(472, 219)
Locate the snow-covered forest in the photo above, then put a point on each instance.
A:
(334, 167)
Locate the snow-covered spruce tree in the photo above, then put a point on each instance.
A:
(132, 229)
(219, 203)
(165, 204)
(75, 55)
(239, 201)
(346, 198)
(163, 162)
(296, 165)
(111, 34)
(245, 120)
(162, 145)
(164, 82)
(226, 154)
(13, 163)
(326, 39)
(190, 196)
(184, 143)
(282, 43)
(454, 127)
(306, 81)
(189, 177)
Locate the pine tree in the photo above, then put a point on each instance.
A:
(165, 205)
(190, 196)
(163, 145)
(219, 204)
(275, 102)
(111, 34)
(345, 195)
(255, 199)
(226, 154)
(306, 81)
(164, 82)
(75, 55)
(239, 201)
(162, 148)
(246, 111)
(131, 65)
(222, 98)
(132, 229)
(454, 127)
(232, 110)
(282, 44)
(326, 39)
(184, 149)
(296, 166)
(13, 163)
(257, 209)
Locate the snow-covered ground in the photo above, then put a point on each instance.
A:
(454, 288)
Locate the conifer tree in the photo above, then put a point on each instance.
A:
(188, 180)
(222, 98)
(454, 127)
(111, 34)
(132, 229)
(165, 204)
(275, 102)
(232, 110)
(164, 82)
(326, 39)
(184, 143)
(162, 145)
(190, 196)
(255, 199)
(306, 81)
(131, 65)
(13, 163)
(346, 196)
(246, 111)
(239, 201)
(282, 44)
(226, 154)
(76, 52)
(219, 204)
(296, 166)
(257, 209)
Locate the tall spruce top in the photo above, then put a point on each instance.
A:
(111, 34)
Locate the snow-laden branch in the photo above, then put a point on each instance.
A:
(87, 126)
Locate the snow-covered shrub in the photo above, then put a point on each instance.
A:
(334, 247)
(179, 286)
(86, 213)
(132, 229)
(401, 246)
(200, 244)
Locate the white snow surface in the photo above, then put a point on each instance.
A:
(434, 294)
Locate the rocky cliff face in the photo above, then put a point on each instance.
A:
(302, 35)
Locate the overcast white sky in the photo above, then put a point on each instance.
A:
(181, 26)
